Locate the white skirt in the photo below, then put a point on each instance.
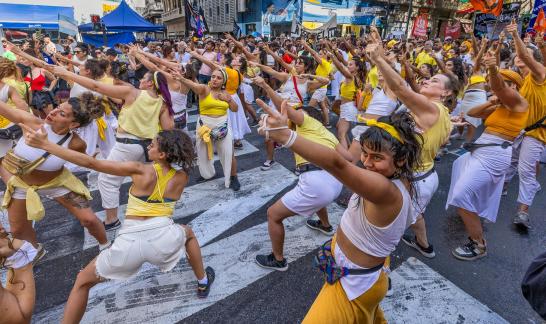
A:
(348, 111)
(248, 93)
(477, 178)
(471, 99)
(314, 191)
(237, 120)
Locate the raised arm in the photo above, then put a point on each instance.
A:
(539, 41)
(17, 100)
(483, 110)
(249, 56)
(420, 105)
(368, 184)
(281, 76)
(278, 59)
(477, 59)
(159, 60)
(538, 71)
(204, 60)
(38, 138)
(340, 67)
(315, 55)
(127, 93)
(198, 88)
(17, 116)
(509, 97)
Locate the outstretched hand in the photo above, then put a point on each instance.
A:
(35, 138)
(273, 120)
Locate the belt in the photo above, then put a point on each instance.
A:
(306, 167)
(142, 142)
(425, 175)
(473, 146)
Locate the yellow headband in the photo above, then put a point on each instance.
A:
(154, 79)
(384, 126)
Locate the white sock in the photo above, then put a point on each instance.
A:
(203, 281)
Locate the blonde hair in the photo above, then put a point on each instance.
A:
(7, 68)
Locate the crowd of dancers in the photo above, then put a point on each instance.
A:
(123, 112)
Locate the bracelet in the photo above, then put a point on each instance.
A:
(291, 139)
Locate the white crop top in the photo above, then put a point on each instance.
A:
(52, 163)
(77, 90)
(288, 92)
(371, 239)
(381, 104)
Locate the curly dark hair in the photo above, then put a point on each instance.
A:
(360, 77)
(42, 99)
(95, 68)
(178, 146)
(119, 71)
(85, 108)
(406, 155)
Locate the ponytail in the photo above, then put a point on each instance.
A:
(162, 88)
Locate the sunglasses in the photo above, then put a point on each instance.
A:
(77, 51)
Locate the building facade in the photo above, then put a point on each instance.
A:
(152, 11)
(173, 18)
(219, 14)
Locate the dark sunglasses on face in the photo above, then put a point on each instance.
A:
(77, 51)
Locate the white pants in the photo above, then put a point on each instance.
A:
(109, 184)
(425, 189)
(224, 148)
(5, 146)
(530, 152)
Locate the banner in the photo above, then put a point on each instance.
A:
(540, 22)
(493, 7)
(539, 4)
(488, 24)
(195, 20)
(236, 29)
(68, 25)
(107, 7)
(420, 26)
(453, 30)
(325, 31)
(278, 11)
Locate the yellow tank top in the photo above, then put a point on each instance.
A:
(21, 89)
(535, 94)
(434, 138)
(313, 130)
(211, 106)
(141, 118)
(233, 81)
(506, 122)
(155, 205)
(347, 91)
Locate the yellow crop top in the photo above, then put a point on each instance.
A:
(211, 106)
(141, 118)
(154, 205)
(234, 79)
(506, 122)
(347, 91)
(434, 138)
(313, 130)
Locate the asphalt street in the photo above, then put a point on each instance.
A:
(252, 296)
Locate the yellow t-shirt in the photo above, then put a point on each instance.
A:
(423, 58)
(313, 130)
(323, 70)
(434, 138)
(535, 94)
(141, 118)
(372, 78)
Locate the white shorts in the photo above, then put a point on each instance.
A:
(320, 94)
(158, 241)
(348, 111)
(357, 131)
(314, 191)
(51, 193)
(425, 189)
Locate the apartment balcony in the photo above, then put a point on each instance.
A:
(172, 15)
(151, 10)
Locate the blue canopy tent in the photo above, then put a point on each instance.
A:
(124, 19)
(24, 16)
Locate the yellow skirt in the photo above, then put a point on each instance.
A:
(333, 306)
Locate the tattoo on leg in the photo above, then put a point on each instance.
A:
(76, 200)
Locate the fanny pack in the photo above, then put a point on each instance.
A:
(19, 166)
(333, 272)
(11, 133)
(180, 121)
(424, 175)
(471, 147)
(144, 143)
(219, 132)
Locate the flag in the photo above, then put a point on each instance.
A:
(493, 7)
(540, 22)
(195, 19)
(539, 4)
(236, 29)
(420, 26)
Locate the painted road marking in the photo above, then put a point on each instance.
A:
(421, 295)
(213, 200)
(173, 294)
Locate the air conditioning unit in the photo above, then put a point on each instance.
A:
(241, 5)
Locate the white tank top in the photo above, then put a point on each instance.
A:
(371, 239)
(77, 90)
(179, 101)
(52, 163)
(288, 92)
(381, 104)
(4, 93)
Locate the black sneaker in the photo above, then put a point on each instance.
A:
(112, 226)
(269, 262)
(203, 290)
(317, 226)
(411, 241)
(522, 220)
(470, 251)
(267, 165)
(234, 183)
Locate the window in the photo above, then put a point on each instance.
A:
(227, 8)
(250, 28)
(210, 13)
(218, 10)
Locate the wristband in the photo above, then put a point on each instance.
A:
(291, 139)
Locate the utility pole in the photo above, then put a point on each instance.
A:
(409, 16)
